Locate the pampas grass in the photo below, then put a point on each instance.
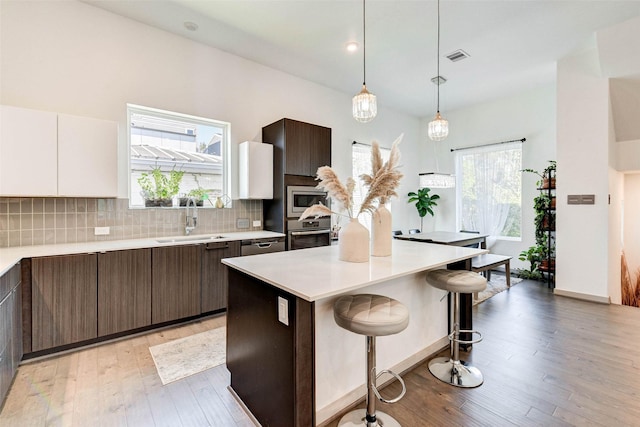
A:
(630, 291)
(384, 179)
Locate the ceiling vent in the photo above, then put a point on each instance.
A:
(457, 55)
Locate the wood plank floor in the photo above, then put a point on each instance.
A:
(547, 361)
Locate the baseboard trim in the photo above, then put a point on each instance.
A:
(581, 296)
(325, 415)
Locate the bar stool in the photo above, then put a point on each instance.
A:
(452, 370)
(371, 315)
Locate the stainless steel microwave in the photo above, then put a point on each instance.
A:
(299, 198)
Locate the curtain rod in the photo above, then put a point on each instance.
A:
(487, 145)
(360, 143)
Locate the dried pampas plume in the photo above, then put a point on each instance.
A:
(316, 211)
(338, 192)
(384, 178)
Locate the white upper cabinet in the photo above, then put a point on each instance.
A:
(255, 170)
(28, 152)
(48, 154)
(87, 157)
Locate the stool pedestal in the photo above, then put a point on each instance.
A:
(452, 370)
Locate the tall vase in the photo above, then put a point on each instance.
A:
(381, 232)
(353, 242)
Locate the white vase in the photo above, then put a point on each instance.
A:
(353, 242)
(381, 232)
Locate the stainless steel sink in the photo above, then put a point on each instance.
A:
(189, 239)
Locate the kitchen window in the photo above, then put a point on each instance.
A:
(361, 164)
(189, 154)
(489, 190)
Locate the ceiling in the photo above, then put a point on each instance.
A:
(513, 44)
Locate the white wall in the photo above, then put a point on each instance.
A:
(530, 115)
(631, 225)
(583, 168)
(74, 58)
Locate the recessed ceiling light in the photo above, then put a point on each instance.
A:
(191, 26)
(352, 46)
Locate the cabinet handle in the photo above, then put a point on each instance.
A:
(212, 248)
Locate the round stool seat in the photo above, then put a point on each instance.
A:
(461, 281)
(371, 315)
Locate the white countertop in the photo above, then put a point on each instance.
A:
(316, 273)
(10, 256)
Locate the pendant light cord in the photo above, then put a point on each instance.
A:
(438, 60)
(364, 43)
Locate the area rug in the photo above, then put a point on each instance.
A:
(497, 284)
(183, 357)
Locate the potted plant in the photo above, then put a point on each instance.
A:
(534, 255)
(199, 194)
(424, 202)
(546, 180)
(158, 189)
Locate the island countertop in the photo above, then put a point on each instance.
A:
(317, 273)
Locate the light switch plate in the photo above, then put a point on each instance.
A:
(283, 310)
(257, 223)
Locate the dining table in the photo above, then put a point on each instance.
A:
(455, 238)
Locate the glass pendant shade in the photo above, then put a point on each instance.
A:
(438, 128)
(365, 107)
(437, 180)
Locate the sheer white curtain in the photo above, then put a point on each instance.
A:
(488, 189)
(361, 163)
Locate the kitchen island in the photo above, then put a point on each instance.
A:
(290, 363)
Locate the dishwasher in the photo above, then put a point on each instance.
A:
(261, 246)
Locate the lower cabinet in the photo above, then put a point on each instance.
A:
(10, 328)
(214, 274)
(64, 296)
(175, 291)
(124, 290)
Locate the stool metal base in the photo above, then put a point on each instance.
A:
(457, 373)
(357, 418)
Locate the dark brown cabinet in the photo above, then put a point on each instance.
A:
(303, 147)
(124, 290)
(10, 328)
(64, 295)
(299, 149)
(214, 274)
(175, 290)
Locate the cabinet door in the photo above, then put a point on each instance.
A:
(124, 290)
(214, 274)
(320, 151)
(87, 157)
(175, 283)
(16, 330)
(5, 346)
(307, 148)
(64, 300)
(28, 152)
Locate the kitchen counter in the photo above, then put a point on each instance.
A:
(316, 366)
(10, 256)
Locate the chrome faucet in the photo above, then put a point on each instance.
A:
(191, 219)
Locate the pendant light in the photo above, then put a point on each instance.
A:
(438, 127)
(364, 103)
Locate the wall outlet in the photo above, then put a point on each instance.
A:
(283, 310)
(101, 231)
(242, 223)
(257, 223)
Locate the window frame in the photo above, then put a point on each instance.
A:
(225, 145)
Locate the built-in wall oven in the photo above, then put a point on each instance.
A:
(300, 197)
(308, 233)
